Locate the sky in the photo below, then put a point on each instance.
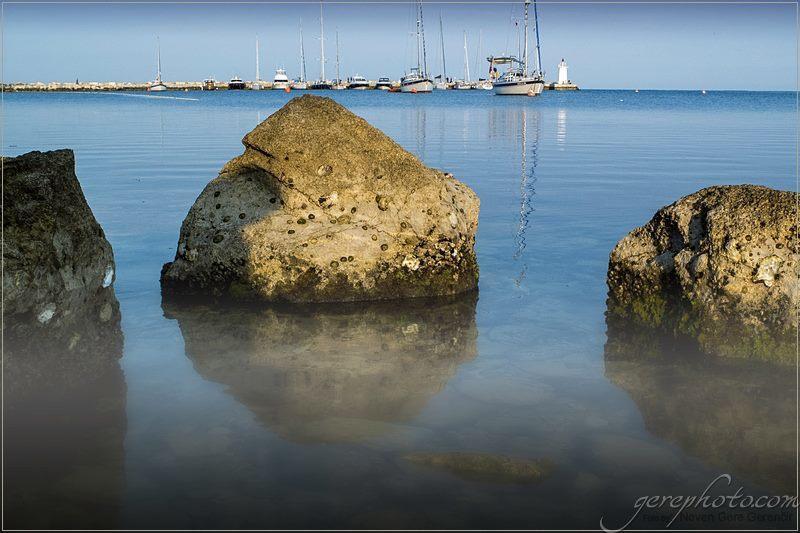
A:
(645, 45)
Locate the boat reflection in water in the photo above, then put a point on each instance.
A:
(329, 372)
(64, 421)
(736, 416)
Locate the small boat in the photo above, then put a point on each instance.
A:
(358, 82)
(440, 84)
(462, 85)
(209, 84)
(518, 80)
(384, 84)
(236, 84)
(338, 85)
(320, 85)
(417, 81)
(441, 80)
(300, 85)
(281, 81)
(483, 85)
(157, 85)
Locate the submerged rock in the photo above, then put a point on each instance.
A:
(321, 206)
(59, 267)
(330, 372)
(485, 467)
(719, 266)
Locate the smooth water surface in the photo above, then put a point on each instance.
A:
(274, 418)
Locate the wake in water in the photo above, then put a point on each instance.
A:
(149, 96)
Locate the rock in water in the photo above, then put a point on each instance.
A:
(720, 266)
(59, 268)
(321, 206)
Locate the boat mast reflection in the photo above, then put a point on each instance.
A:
(527, 187)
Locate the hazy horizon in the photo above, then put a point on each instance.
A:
(719, 46)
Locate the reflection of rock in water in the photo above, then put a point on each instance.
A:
(65, 424)
(737, 416)
(330, 373)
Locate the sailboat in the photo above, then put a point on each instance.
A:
(338, 85)
(322, 82)
(301, 83)
(157, 85)
(518, 80)
(441, 79)
(417, 81)
(463, 85)
(257, 84)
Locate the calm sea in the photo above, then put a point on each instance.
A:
(235, 419)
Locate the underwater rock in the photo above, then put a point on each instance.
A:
(59, 268)
(737, 416)
(720, 266)
(485, 467)
(321, 206)
(329, 372)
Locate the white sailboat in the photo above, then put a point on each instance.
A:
(301, 83)
(417, 81)
(482, 83)
(257, 83)
(157, 85)
(322, 82)
(441, 79)
(518, 80)
(464, 85)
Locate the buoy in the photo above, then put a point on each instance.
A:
(704, 91)
(414, 91)
(287, 89)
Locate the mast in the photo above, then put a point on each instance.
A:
(525, 54)
(158, 59)
(478, 53)
(338, 78)
(321, 45)
(466, 59)
(302, 54)
(538, 49)
(258, 71)
(422, 33)
(441, 36)
(419, 47)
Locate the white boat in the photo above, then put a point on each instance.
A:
(281, 81)
(462, 85)
(257, 83)
(299, 85)
(236, 84)
(384, 84)
(417, 81)
(518, 80)
(358, 82)
(157, 85)
(338, 84)
(440, 84)
(483, 85)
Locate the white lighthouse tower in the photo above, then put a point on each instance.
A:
(563, 78)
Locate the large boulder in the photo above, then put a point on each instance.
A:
(59, 267)
(321, 206)
(719, 266)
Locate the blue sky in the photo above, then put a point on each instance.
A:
(622, 45)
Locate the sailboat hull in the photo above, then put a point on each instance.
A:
(157, 87)
(418, 86)
(519, 88)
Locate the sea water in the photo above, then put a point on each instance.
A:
(271, 419)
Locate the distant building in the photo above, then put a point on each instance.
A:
(563, 77)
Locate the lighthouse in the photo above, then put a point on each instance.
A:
(563, 78)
